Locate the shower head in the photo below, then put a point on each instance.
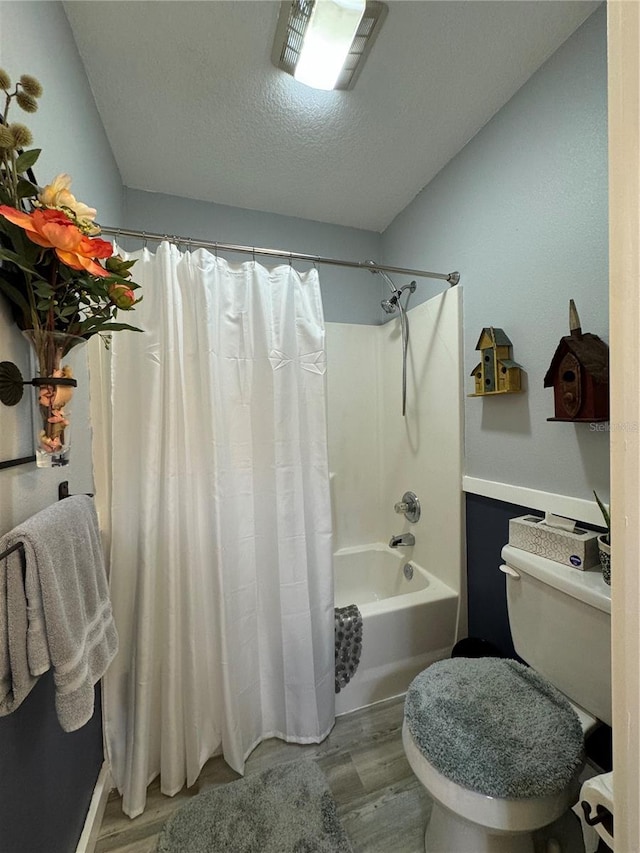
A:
(390, 305)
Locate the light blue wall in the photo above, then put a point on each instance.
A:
(348, 296)
(35, 38)
(522, 213)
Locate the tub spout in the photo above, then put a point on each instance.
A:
(404, 539)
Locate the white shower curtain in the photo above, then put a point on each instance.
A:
(220, 520)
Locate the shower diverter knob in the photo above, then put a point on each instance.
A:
(409, 506)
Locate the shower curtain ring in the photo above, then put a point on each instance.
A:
(290, 261)
(144, 239)
(216, 251)
(253, 253)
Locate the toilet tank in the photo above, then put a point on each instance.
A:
(560, 620)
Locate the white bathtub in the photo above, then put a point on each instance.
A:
(407, 625)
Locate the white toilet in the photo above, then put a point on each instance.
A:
(560, 620)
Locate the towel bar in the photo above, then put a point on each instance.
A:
(63, 492)
(13, 548)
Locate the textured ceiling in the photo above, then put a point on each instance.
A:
(193, 107)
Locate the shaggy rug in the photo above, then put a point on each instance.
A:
(286, 809)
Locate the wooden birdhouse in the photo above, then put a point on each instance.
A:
(579, 374)
(497, 372)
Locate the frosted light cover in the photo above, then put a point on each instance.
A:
(327, 41)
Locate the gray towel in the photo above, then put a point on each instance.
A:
(65, 622)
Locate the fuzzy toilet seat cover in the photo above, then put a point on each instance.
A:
(495, 726)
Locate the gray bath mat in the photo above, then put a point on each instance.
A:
(286, 809)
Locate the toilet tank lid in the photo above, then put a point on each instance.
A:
(587, 586)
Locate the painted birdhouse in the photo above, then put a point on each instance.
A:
(579, 374)
(497, 372)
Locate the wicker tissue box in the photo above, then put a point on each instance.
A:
(577, 548)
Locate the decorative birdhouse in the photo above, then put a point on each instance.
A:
(579, 374)
(497, 372)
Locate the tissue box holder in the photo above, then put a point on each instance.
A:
(578, 548)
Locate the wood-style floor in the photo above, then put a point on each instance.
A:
(382, 806)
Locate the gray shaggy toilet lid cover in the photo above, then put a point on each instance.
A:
(495, 726)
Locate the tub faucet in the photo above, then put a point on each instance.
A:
(404, 539)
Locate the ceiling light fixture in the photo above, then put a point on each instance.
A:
(323, 43)
(327, 40)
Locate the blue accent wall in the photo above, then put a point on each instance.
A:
(487, 533)
(47, 775)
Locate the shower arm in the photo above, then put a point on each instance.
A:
(396, 292)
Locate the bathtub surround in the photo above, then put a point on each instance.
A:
(285, 809)
(221, 547)
(376, 455)
(424, 451)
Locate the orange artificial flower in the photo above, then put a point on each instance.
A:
(52, 229)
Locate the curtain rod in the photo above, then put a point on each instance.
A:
(452, 277)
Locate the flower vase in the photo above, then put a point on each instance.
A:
(604, 549)
(53, 385)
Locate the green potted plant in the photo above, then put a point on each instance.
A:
(604, 542)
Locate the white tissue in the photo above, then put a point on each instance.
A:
(557, 521)
(598, 791)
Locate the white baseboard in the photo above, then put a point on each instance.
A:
(93, 821)
(569, 507)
